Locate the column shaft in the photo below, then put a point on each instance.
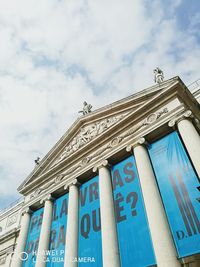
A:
(108, 224)
(71, 244)
(191, 140)
(44, 234)
(161, 237)
(21, 242)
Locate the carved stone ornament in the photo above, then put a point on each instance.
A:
(172, 123)
(75, 182)
(46, 198)
(39, 190)
(88, 133)
(2, 260)
(158, 75)
(115, 142)
(11, 220)
(154, 116)
(36, 193)
(186, 115)
(129, 148)
(102, 164)
(87, 108)
(26, 210)
(59, 178)
(140, 141)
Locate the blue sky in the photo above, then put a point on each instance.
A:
(56, 54)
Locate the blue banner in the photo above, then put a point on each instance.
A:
(132, 226)
(33, 238)
(90, 251)
(178, 184)
(58, 231)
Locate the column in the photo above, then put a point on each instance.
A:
(43, 245)
(21, 242)
(160, 233)
(191, 139)
(71, 244)
(110, 248)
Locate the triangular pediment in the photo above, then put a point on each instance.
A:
(90, 127)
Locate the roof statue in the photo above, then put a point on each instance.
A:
(158, 75)
(87, 108)
(37, 161)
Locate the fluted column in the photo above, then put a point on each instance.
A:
(161, 237)
(43, 245)
(21, 242)
(190, 137)
(110, 249)
(71, 244)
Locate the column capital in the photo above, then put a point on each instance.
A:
(26, 210)
(139, 142)
(101, 164)
(172, 123)
(75, 182)
(45, 198)
(186, 115)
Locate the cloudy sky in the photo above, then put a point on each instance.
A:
(54, 54)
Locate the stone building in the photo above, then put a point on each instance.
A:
(120, 188)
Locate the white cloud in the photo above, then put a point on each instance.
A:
(55, 54)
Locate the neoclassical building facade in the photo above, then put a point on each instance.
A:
(121, 188)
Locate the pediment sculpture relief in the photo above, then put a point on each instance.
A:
(88, 133)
